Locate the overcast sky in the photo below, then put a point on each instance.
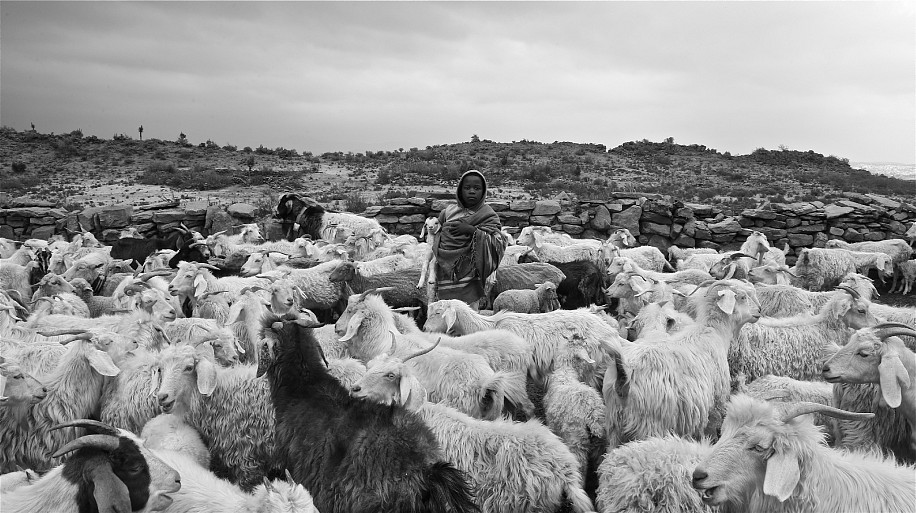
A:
(838, 78)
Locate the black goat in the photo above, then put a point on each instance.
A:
(136, 250)
(582, 286)
(352, 455)
(297, 208)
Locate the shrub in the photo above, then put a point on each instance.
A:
(18, 167)
(356, 203)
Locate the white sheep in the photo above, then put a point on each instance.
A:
(622, 243)
(526, 237)
(898, 249)
(430, 231)
(822, 269)
(540, 300)
(907, 277)
(514, 467)
(773, 445)
(911, 234)
(676, 254)
(678, 383)
(548, 333)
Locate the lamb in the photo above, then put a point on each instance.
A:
(548, 333)
(203, 492)
(74, 390)
(877, 355)
(430, 230)
(462, 380)
(168, 431)
(521, 276)
(384, 459)
(907, 277)
(797, 346)
(647, 257)
(693, 366)
(652, 475)
(767, 443)
(540, 300)
(109, 470)
(512, 466)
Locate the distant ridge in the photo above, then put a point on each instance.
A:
(894, 169)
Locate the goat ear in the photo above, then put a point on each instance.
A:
(236, 313)
(726, 301)
(353, 326)
(110, 493)
(154, 382)
(782, 475)
(892, 376)
(450, 317)
(732, 267)
(423, 231)
(206, 376)
(200, 285)
(413, 395)
(101, 362)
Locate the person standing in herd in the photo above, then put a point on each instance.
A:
(470, 243)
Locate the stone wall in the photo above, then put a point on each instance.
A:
(661, 221)
(41, 220)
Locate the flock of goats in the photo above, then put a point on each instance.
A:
(229, 374)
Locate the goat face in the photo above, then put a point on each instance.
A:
(381, 382)
(19, 388)
(180, 368)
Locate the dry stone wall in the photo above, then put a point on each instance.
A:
(654, 219)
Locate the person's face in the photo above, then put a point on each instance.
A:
(472, 189)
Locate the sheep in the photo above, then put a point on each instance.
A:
(629, 289)
(8, 247)
(194, 279)
(521, 276)
(431, 228)
(318, 223)
(74, 390)
(202, 492)
(701, 261)
(652, 475)
(731, 266)
(647, 257)
(771, 274)
(139, 325)
(514, 254)
(108, 470)
(244, 319)
(907, 277)
(784, 300)
(769, 459)
(540, 300)
(168, 431)
(129, 399)
(548, 333)
(512, 466)
(320, 294)
(580, 250)
(898, 249)
(527, 234)
(676, 254)
(383, 458)
(91, 267)
(679, 383)
(213, 305)
(228, 407)
(757, 244)
(877, 355)
(822, 269)
(796, 346)
(457, 378)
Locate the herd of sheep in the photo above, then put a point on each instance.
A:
(321, 374)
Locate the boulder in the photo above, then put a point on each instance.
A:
(629, 219)
(217, 220)
(834, 211)
(573, 229)
(42, 232)
(602, 220)
(727, 225)
(196, 208)
(167, 216)
(546, 208)
(115, 216)
(569, 219)
(242, 211)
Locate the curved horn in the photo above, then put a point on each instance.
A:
(134, 288)
(208, 294)
(178, 229)
(403, 309)
(289, 477)
(378, 291)
(185, 227)
(801, 408)
(218, 233)
(736, 256)
(701, 285)
(81, 336)
(894, 329)
(852, 292)
(105, 442)
(163, 333)
(197, 244)
(272, 279)
(208, 266)
(101, 427)
(423, 351)
(146, 276)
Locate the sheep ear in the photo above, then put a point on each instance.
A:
(726, 301)
(450, 317)
(413, 395)
(892, 376)
(102, 363)
(206, 376)
(110, 493)
(200, 285)
(353, 326)
(782, 475)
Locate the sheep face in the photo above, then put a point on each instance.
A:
(386, 382)
(179, 369)
(869, 358)
(18, 387)
(254, 265)
(622, 238)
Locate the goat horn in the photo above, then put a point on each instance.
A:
(268, 485)
(81, 336)
(208, 266)
(378, 290)
(790, 273)
(801, 408)
(163, 333)
(289, 477)
(185, 227)
(736, 256)
(701, 285)
(101, 427)
(208, 294)
(423, 351)
(894, 329)
(133, 288)
(405, 309)
(852, 292)
(178, 229)
(272, 279)
(197, 244)
(146, 276)
(58, 333)
(105, 442)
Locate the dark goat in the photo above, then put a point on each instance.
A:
(582, 286)
(352, 455)
(297, 208)
(109, 470)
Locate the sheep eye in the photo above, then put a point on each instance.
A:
(189, 368)
(18, 376)
(389, 375)
(759, 449)
(863, 354)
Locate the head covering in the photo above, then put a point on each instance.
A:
(483, 195)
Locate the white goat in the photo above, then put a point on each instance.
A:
(431, 228)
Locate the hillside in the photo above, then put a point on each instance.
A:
(84, 171)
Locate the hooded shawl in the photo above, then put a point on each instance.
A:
(459, 255)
